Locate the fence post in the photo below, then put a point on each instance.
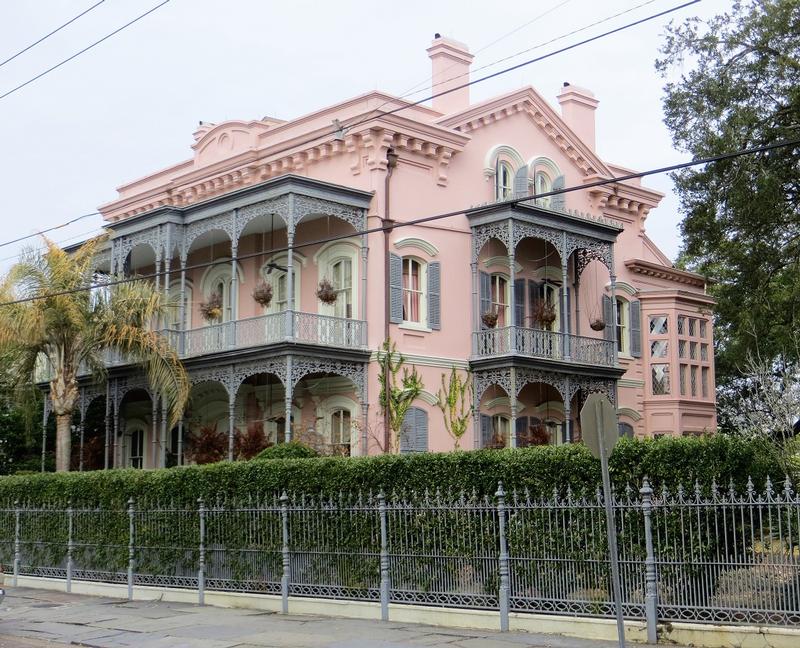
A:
(130, 548)
(16, 542)
(201, 569)
(69, 545)
(285, 552)
(385, 585)
(503, 594)
(651, 592)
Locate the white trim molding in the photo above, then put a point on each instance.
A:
(496, 151)
(413, 242)
(623, 286)
(630, 413)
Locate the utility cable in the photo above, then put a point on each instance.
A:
(426, 219)
(85, 49)
(55, 31)
(372, 115)
(50, 229)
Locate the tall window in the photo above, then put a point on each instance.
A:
(501, 427)
(413, 290)
(282, 292)
(504, 181)
(339, 426)
(219, 281)
(622, 326)
(136, 448)
(175, 308)
(542, 184)
(500, 299)
(551, 293)
(660, 377)
(342, 280)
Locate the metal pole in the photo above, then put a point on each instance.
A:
(16, 542)
(385, 584)
(285, 551)
(130, 548)
(201, 570)
(69, 545)
(503, 593)
(611, 529)
(81, 429)
(650, 577)
(44, 429)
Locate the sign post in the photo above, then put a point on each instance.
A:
(600, 433)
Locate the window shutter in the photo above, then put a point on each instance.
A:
(557, 200)
(521, 182)
(521, 430)
(434, 295)
(519, 302)
(635, 314)
(485, 294)
(569, 311)
(534, 295)
(486, 430)
(395, 289)
(421, 431)
(608, 318)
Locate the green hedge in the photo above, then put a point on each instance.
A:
(291, 450)
(540, 470)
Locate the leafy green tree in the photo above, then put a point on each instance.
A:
(739, 87)
(51, 317)
(402, 389)
(455, 401)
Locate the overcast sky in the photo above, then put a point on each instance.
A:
(129, 106)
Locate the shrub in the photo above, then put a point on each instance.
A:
(291, 450)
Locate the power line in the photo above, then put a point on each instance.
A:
(372, 114)
(425, 219)
(82, 236)
(85, 49)
(50, 229)
(55, 31)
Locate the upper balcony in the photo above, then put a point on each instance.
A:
(544, 286)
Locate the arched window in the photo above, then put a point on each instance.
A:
(339, 430)
(542, 184)
(500, 298)
(414, 432)
(414, 290)
(219, 280)
(279, 280)
(338, 263)
(342, 280)
(174, 315)
(504, 181)
(625, 431)
(135, 447)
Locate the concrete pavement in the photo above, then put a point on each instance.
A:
(34, 618)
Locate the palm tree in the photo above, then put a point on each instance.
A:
(50, 313)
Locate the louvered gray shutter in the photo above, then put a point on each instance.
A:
(421, 430)
(521, 182)
(395, 289)
(521, 429)
(519, 302)
(635, 310)
(485, 294)
(434, 295)
(608, 318)
(557, 201)
(408, 432)
(569, 311)
(486, 430)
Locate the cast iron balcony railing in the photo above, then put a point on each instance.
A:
(537, 343)
(264, 330)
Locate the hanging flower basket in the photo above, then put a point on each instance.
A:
(262, 293)
(325, 292)
(211, 308)
(544, 312)
(489, 318)
(597, 324)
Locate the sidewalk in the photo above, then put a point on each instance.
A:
(35, 618)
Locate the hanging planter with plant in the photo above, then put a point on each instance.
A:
(325, 292)
(489, 318)
(211, 308)
(544, 312)
(262, 293)
(597, 324)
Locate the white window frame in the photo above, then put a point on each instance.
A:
(276, 275)
(500, 421)
(623, 331)
(495, 305)
(325, 412)
(221, 271)
(423, 293)
(325, 258)
(175, 296)
(503, 191)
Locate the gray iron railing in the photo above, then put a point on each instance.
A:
(704, 556)
(537, 343)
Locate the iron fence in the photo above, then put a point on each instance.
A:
(702, 555)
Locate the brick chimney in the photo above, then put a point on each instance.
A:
(449, 59)
(577, 109)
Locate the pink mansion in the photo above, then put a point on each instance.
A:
(543, 300)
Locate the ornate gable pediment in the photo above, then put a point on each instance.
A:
(225, 140)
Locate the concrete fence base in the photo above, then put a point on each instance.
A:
(687, 634)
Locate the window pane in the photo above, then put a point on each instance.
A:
(681, 348)
(659, 348)
(660, 375)
(658, 325)
(704, 352)
(693, 350)
(704, 381)
(682, 379)
(703, 328)
(693, 374)
(692, 326)
(681, 324)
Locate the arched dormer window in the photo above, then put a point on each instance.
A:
(546, 177)
(500, 165)
(504, 181)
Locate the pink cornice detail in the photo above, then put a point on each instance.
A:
(650, 269)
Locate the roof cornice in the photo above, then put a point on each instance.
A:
(650, 269)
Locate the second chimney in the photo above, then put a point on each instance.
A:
(577, 109)
(450, 62)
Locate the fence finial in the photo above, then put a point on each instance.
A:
(500, 492)
(787, 488)
(646, 489)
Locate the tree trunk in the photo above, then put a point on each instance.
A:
(63, 442)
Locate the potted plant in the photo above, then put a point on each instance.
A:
(211, 308)
(544, 312)
(489, 318)
(325, 292)
(597, 324)
(262, 293)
